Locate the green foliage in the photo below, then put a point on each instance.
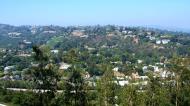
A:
(107, 88)
(45, 75)
(53, 41)
(94, 54)
(158, 95)
(75, 93)
(129, 96)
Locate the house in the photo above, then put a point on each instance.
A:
(165, 41)
(143, 83)
(6, 77)
(149, 33)
(151, 37)
(3, 50)
(124, 32)
(27, 42)
(33, 31)
(156, 69)
(84, 36)
(104, 46)
(14, 33)
(9, 69)
(89, 48)
(143, 77)
(110, 35)
(78, 33)
(158, 42)
(159, 63)
(115, 69)
(135, 76)
(145, 68)
(49, 32)
(136, 40)
(24, 55)
(130, 32)
(64, 66)
(166, 74)
(123, 83)
(55, 51)
(34, 64)
(139, 61)
(126, 36)
(119, 75)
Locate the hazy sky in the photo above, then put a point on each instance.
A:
(91, 12)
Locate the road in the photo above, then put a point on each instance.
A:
(34, 90)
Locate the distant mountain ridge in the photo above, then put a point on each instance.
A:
(169, 28)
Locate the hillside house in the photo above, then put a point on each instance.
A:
(64, 66)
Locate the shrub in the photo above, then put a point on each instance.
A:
(7, 98)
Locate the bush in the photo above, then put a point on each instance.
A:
(58, 100)
(7, 98)
(17, 98)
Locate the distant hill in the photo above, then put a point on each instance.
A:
(170, 28)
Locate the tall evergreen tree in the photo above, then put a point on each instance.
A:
(180, 89)
(107, 88)
(45, 75)
(157, 93)
(75, 93)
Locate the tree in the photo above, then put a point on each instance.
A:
(75, 93)
(180, 89)
(107, 88)
(44, 75)
(157, 93)
(71, 56)
(130, 97)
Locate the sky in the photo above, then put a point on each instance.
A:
(174, 13)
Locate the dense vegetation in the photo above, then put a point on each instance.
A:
(93, 52)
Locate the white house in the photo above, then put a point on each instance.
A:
(124, 82)
(64, 66)
(8, 68)
(156, 69)
(84, 36)
(143, 77)
(27, 42)
(158, 42)
(166, 74)
(165, 41)
(124, 32)
(50, 32)
(139, 61)
(130, 32)
(55, 51)
(116, 69)
(14, 33)
(152, 38)
(145, 68)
